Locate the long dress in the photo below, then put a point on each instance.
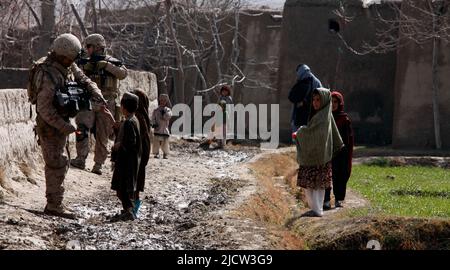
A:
(315, 177)
(127, 157)
(142, 114)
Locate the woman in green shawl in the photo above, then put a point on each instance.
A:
(317, 142)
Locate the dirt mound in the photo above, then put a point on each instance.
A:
(393, 233)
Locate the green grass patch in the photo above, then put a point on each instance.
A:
(403, 191)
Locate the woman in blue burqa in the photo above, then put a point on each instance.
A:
(300, 96)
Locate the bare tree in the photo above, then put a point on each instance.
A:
(179, 81)
(193, 46)
(415, 22)
(181, 41)
(27, 28)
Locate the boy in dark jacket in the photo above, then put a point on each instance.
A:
(126, 155)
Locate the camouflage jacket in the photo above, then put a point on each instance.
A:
(48, 80)
(107, 78)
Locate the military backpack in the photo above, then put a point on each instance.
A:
(35, 78)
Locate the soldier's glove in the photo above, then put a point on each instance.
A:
(101, 65)
(68, 129)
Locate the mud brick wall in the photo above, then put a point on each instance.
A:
(147, 81)
(17, 139)
(367, 82)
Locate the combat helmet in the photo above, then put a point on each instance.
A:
(67, 45)
(95, 40)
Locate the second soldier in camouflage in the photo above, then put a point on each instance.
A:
(105, 71)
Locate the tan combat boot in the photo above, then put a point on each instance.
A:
(59, 211)
(97, 169)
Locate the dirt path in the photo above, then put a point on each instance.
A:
(240, 198)
(187, 205)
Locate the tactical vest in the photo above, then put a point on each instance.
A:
(106, 81)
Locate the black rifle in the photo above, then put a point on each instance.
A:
(72, 99)
(83, 59)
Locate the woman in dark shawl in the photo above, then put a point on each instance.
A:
(342, 162)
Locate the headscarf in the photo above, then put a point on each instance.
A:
(226, 88)
(166, 97)
(144, 103)
(319, 140)
(342, 121)
(340, 98)
(144, 127)
(304, 72)
(339, 115)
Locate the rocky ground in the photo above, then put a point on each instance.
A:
(186, 206)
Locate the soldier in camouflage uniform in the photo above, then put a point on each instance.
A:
(56, 70)
(105, 71)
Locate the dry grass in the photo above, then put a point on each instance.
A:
(273, 204)
(286, 240)
(270, 204)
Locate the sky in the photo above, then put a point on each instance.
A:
(271, 3)
(280, 3)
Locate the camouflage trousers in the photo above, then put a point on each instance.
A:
(53, 144)
(103, 130)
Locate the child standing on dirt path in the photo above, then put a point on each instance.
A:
(126, 155)
(219, 130)
(342, 162)
(224, 99)
(144, 126)
(317, 142)
(160, 122)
